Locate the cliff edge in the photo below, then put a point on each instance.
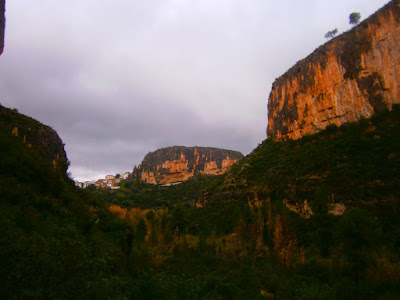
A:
(35, 135)
(354, 75)
(179, 163)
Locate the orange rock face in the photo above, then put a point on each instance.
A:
(178, 164)
(353, 75)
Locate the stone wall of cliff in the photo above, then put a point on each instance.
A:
(355, 74)
(35, 135)
(2, 24)
(178, 163)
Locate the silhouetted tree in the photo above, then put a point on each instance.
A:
(331, 34)
(354, 18)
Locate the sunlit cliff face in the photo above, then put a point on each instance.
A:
(177, 164)
(354, 75)
(178, 170)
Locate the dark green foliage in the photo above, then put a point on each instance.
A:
(141, 231)
(354, 18)
(50, 246)
(358, 234)
(358, 161)
(61, 242)
(356, 164)
(150, 215)
(135, 194)
(178, 221)
(321, 200)
(331, 34)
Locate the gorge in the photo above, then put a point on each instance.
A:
(311, 213)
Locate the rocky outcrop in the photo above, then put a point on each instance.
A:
(35, 135)
(352, 76)
(178, 163)
(2, 24)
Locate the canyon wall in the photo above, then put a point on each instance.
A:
(354, 75)
(178, 163)
(2, 24)
(35, 136)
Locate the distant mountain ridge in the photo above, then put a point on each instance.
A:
(179, 163)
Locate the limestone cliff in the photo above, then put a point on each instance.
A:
(35, 135)
(178, 163)
(2, 24)
(353, 75)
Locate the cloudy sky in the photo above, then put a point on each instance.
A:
(120, 78)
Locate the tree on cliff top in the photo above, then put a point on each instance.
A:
(354, 18)
(331, 34)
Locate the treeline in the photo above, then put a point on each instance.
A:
(231, 251)
(133, 193)
(246, 227)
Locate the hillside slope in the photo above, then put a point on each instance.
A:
(57, 242)
(357, 163)
(35, 135)
(325, 206)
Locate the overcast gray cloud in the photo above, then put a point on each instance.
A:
(120, 78)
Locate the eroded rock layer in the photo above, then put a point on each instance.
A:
(353, 75)
(178, 163)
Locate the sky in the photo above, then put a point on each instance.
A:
(118, 79)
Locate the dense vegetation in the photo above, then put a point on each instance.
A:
(358, 161)
(150, 242)
(55, 242)
(133, 193)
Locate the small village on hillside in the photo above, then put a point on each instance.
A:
(110, 181)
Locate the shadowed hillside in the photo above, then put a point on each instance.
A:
(312, 218)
